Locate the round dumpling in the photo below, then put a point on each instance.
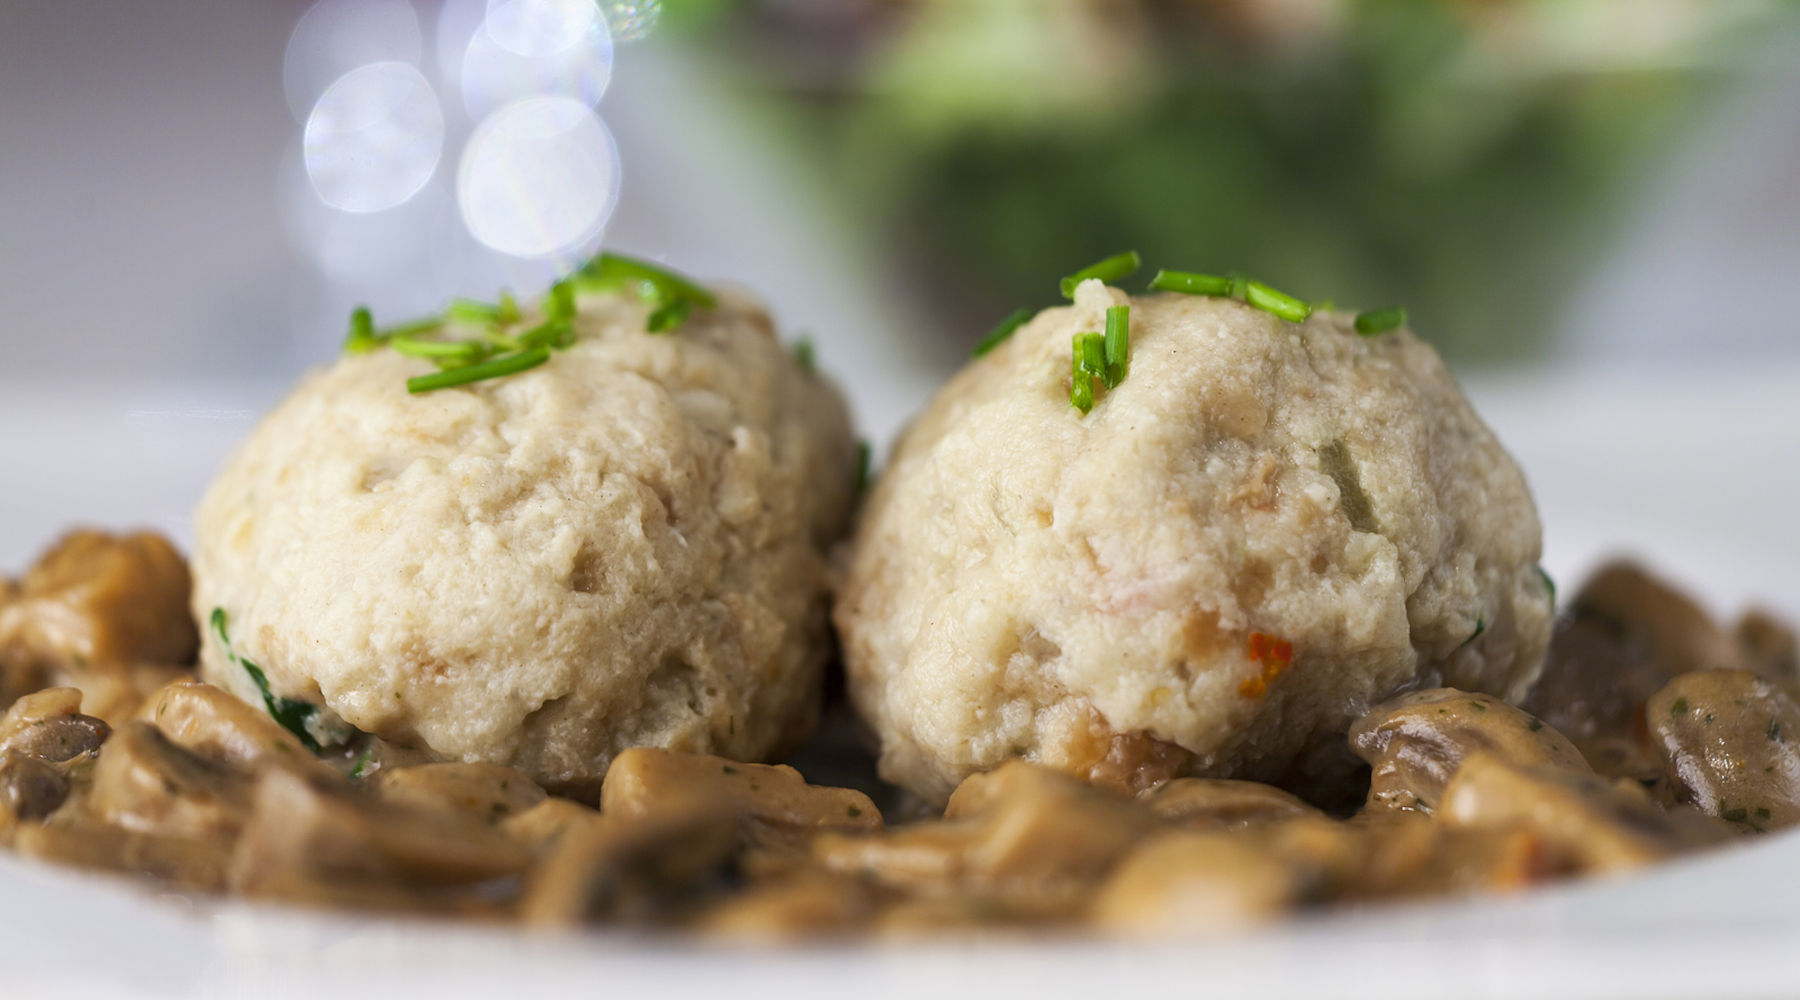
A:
(624, 546)
(1263, 529)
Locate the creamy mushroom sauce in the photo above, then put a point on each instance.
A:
(1652, 732)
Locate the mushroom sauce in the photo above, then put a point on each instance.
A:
(1652, 732)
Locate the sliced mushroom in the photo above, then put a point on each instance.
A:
(145, 783)
(313, 840)
(1030, 836)
(1223, 804)
(117, 693)
(488, 793)
(1626, 634)
(1769, 647)
(48, 725)
(539, 827)
(98, 599)
(29, 788)
(1731, 741)
(808, 904)
(193, 863)
(638, 869)
(1188, 881)
(1415, 743)
(215, 724)
(642, 780)
(1589, 824)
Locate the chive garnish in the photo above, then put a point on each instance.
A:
(477, 313)
(293, 715)
(506, 364)
(1081, 385)
(673, 295)
(1109, 270)
(1189, 283)
(1679, 708)
(361, 338)
(669, 315)
(413, 329)
(863, 457)
(560, 303)
(1002, 333)
(1377, 321)
(1275, 302)
(550, 333)
(805, 355)
(458, 351)
(1118, 344)
(1549, 585)
(362, 762)
(1089, 351)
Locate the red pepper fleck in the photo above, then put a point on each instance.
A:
(1274, 654)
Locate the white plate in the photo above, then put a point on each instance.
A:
(1695, 470)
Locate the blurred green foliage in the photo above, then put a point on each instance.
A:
(1465, 160)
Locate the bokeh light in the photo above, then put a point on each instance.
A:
(631, 20)
(336, 36)
(516, 54)
(374, 138)
(538, 177)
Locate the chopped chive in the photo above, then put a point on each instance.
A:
(1109, 270)
(1002, 333)
(609, 271)
(361, 338)
(1380, 320)
(1275, 302)
(560, 303)
(1090, 353)
(1081, 386)
(473, 312)
(455, 350)
(507, 364)
(362, 762)
(1239, 285)
(509, 308)
(1679, 708)
(1549, 585)
(293, 715)
(1188, 283)
(805, 355)
(1117, 344)
(413, 329)
(1737, 815)
(863, 458)
(549, 333)
(669, 315)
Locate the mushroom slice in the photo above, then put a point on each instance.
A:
(1589, 824)
(1223, 804)
(1415, 743)
(48, 725)
(117, 693)
(145, 783)
(213, 723)
(98, 599)
(540, 826)
(1034, 838)
(311, 841)
(646, 868)
(641, 780)
(190, 862)
(29, 788)
(1625, 635)
(808, 904)
(1188, 881)
(1731, 741)
(1769, 647)
(485, 792)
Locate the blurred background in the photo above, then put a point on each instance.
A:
(1592, 207)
